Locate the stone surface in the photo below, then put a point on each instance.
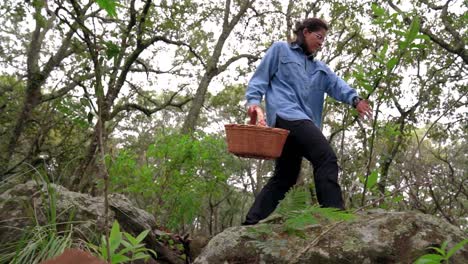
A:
(26, 203)
(372, 237)
(376, 236)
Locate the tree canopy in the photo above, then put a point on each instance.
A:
(140, 90)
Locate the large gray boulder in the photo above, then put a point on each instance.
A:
(372, 237)
(23, 204)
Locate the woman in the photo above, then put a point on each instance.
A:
(293, 84)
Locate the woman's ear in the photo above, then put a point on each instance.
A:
(305, 31)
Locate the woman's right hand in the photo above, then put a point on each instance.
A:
(256, 115)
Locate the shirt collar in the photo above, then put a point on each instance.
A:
(295, 46)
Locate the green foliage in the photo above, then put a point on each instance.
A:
(41, 241)
(297, 215)
(391, 62)
(371, 180)
(11, 96)
(109, 5)
(406, 40)
(261, 232)
(38, 244)
(73, 110)
(411, 34)
(378, 11)
(296, 223)
(40, 19)
(229, 104)
(178, 173)
(442, 255)
(112, 50)
(123, 246)
(296, 199)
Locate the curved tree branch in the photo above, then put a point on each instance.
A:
(158, 106)
(223, 67)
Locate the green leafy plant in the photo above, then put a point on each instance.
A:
(40, 241)
(123, 246)
(313, 215)
(442, 255)
(296, 199)
(298, 213)
(110, 6)
(197, 167)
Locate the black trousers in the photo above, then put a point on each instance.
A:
(304, 140)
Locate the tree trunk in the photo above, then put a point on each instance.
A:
(31, 100)
(84, 171)
(382, 184)
(197, 103)
(212, 68)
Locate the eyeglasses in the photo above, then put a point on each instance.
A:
(318, 36)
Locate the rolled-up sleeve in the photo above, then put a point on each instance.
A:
(260, 81)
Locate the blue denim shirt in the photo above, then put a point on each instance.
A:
(294, 85)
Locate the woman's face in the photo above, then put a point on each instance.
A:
(314, 40)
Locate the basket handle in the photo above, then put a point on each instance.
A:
(254, 111)
(253, 118)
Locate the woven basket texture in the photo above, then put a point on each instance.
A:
(251, 141)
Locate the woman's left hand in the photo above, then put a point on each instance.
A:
(364, 109)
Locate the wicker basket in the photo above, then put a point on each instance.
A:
(251, 141)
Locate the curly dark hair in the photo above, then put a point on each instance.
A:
(312, 24)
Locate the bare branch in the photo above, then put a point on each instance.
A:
(449, 108)
(112, 93)
(250, 57)
(438, 206)
(289, 23)
(141, 23)
(148, 111)
(343, 44)
(123, 48)
(61, 54)
(178, 43)
(448, 26)
(314, 7)
(227, 10)
(432, 5)
(70, 86)
(147, 69)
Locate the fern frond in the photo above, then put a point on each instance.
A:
(297, 213)
(296, 225)
(260, 232)
(296, 200)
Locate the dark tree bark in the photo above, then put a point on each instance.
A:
(212, 68)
